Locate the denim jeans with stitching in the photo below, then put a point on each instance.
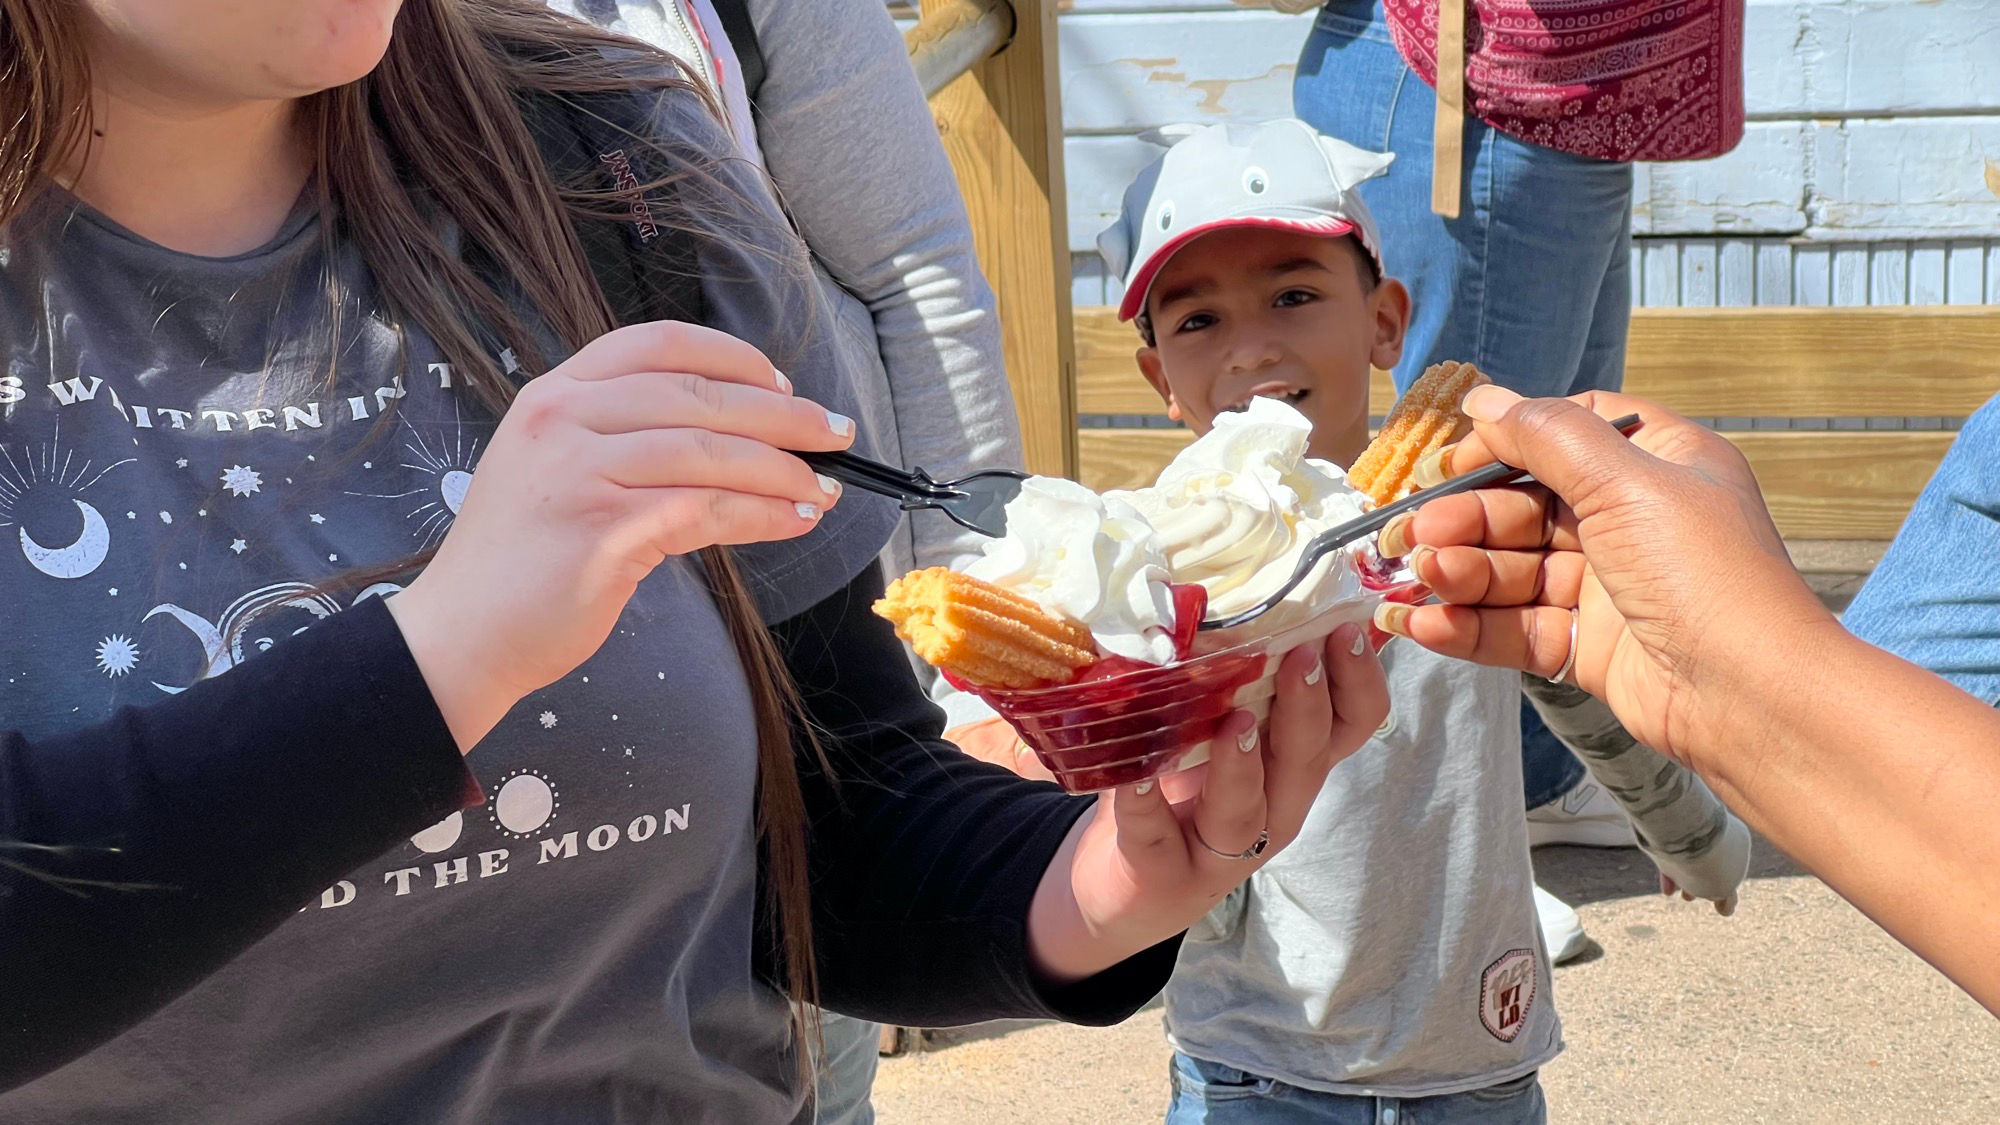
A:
(1532, 282)
(1206, 1093)
(847, 1074)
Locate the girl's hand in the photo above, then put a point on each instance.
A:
(1660, 546)
(1151, 859)
(654, 440)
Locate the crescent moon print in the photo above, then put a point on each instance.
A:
(216, 661)
(446, 460)
(78, 558)
(60, 534)
(253, 622)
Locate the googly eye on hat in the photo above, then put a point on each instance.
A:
(1280, 173)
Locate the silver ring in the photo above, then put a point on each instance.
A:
(1569, 662)
(1251, 852)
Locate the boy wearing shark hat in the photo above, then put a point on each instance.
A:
(1392, 963)
(1389, 966)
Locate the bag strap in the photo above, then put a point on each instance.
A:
(1448, 127)
(735, 17)
(647, 272)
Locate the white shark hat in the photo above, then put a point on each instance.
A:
(1280, 174)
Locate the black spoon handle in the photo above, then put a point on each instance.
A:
(874, 476)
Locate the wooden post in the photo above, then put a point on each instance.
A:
(1002, 126)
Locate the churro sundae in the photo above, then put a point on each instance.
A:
(1081, 625)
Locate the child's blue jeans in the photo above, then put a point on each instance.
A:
(1532, 282)
(1935, 598)
(1206, 1093)
(847, 1074)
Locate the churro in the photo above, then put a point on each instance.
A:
(1425, 419)
(984, 634)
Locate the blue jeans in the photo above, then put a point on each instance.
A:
(1532, 281)
(1206, 1093)
(1935, 598)
(848, 1073)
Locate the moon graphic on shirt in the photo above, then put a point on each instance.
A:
(76, 559)
(451, 489)
(252, 623)
(525, 803)
(262, 617)
(442, 458)
(440, 836)
(378, 590)
(41, 483)
(215, 653)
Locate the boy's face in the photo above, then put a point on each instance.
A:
(1253, 311)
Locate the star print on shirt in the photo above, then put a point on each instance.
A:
(238, 546)
(117, 655)
(180, 462)
(317, 518)
(548, 720)
(241, 480)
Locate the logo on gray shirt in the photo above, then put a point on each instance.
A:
(1506, 992)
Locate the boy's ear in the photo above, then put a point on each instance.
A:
(1149, 366)
(1389, 306)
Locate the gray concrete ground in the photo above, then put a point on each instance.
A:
(1795, 1010)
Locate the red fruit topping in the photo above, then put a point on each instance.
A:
(1190, 606)
(1378, 573)
(1111, 666)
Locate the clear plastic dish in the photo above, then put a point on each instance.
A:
(1120, 729)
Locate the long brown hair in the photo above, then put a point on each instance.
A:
(434, 135)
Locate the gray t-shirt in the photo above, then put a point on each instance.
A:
(1392, 949)
(178, 469)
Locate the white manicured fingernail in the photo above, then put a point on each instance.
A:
(784, 384)
(828, 485)
(807, 511)
(1359, 644)
(1143, 788)
(840, 424)
(1247, 741)
(1313, 673)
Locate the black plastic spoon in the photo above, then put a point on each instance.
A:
(977, 502)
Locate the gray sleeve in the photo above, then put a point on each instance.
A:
(850, 141)
(1681, 826)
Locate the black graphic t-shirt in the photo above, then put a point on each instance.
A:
(189, 447)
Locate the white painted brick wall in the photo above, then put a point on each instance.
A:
(1869, 174)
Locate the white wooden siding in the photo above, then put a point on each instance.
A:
(1870, 171)
(1738, 272)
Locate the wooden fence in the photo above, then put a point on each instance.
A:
(1841, 372)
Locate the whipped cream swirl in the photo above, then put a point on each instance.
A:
(1093, 558)
(1232, 512)
(1236, 508)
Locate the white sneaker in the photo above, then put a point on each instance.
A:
(1586, 816)
(1562, 930)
